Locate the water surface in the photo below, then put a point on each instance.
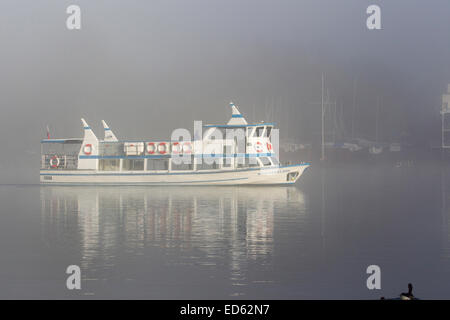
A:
(310, 241)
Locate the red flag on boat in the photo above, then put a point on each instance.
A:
(48, 133)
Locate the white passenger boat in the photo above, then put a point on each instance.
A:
(232, 154)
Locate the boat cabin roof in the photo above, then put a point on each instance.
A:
(267, 124)
(66, 141)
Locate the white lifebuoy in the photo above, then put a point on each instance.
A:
(52, 164)
(151, 148)
(87, 149)
(162, 148)
(187, 147)
(176, 148)
(258, 147)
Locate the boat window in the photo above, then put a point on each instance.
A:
(61, 148)
(228, 149)
(227, 163)
(242, 162)
(247, 162)
(207, 166)
(253, 162)
(111, 149)
(182, 165)
(157, 164)
(275, 161)
(268, 132)
(265, 161)
(259, 131)
(133, 164)
(109, 165)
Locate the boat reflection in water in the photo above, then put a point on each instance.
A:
(168, 242)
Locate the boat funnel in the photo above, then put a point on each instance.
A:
(236, 117)
(89, 149)
(109, 135)
(89, 135)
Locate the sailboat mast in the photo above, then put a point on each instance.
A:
(335, 123)
(354, 107)
(376, 119)
(323, 118)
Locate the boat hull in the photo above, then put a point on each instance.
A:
(252, 176)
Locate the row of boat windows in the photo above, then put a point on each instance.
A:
(163, 164)
(259, 131)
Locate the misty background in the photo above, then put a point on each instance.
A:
(148, 67)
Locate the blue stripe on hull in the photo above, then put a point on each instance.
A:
(164, 173)
(144, 183)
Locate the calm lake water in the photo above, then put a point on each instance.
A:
(311, 241)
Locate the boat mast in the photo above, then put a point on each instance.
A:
(323, 118)
(334, 123)
(354, 107)
(376, 118)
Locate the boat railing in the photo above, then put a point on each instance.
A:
(59, 161)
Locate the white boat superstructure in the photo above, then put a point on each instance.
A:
(232, 154)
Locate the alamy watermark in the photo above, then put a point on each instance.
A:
(373, 22)
(374, 280)
(221, 146)
(73, 281)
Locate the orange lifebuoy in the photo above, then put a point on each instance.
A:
(151, 148)
(269, 147)
(54, 165)
(176, 149)
(87, 149)
(164, 150)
